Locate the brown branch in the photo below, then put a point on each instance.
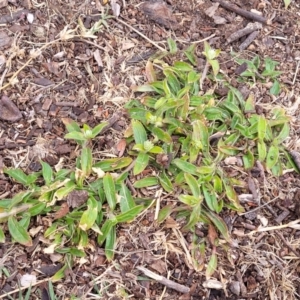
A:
(242, 12)
(248, 40)
(245, 31)
(163, 280)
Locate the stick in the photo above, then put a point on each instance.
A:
(242, 32)
(248, 40)
(287, 244)
(163, 280)
(139, 33)
(23, 288)
(242, 12)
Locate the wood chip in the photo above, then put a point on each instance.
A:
(160, 13)
(9, 111)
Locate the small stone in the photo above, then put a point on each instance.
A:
(235, 288)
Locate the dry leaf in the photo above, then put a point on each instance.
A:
(212, 234)
(77, 198)
(160, 13)
(150, 73)
(63, 210)
(121, 146)
(116, 8)
(9, 111)
(159, 266)
(28, 280)
(97, 58)
(51, 67)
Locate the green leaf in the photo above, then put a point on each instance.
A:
(275, 89)
(165, 182)
(18, 233)
(215, 66)
(287, 3)
(62, 192)
(248, 160)
(262, 151)
(232, 196)
(218, 185)
(59, 274)
(185, 166)
(161, 135)
(164, 213)
(126, 200)
(97, 129)
(110, 191)
(210, 198)
(250, 104)
(212, 266)
(74, 135)
(71, 125)
(145, 182)
(272, 157)
(86, 161)
(113, 164)
(76, 252)
(18, 198)
(190, 54)
(141, 163)
(206, 169)
(200, 136)
(261, 127)
(183, 66)
(283, 134)
(156, 150)
(130, 214)
(2, 236)
(190, 200)
(62, 174)
(172, 46)
(194, 217)
(110, 244)
(193, 184)
(139, 132)
(18, 175)
(36, 209)
(89, 216)
(105, 229)
(219, 223)
(47, 172)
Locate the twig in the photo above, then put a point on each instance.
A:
(242, 12)
(204, 73)
(163, 280)
(292, 224)
(197, 42)
(287, 244)
(182, 242)
(257, 208)
(245, 31)
(139, 33)
(248, 40)
(296, 72)
(23, 288)
(111, 121)
(158, 198)
(15, 210)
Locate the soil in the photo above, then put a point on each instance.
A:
(89, 80)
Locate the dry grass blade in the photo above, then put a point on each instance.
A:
(163, 280)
